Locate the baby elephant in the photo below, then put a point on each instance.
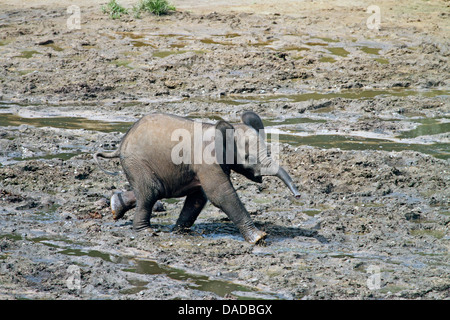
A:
(166, 156)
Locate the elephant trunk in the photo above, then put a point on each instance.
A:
(284, 176)
(271, 168)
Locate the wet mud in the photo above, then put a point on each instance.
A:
(362, 118)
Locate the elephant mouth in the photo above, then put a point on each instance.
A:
(249, 175)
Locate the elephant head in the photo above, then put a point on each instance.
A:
(245, 151)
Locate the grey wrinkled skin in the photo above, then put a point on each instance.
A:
(146, 157)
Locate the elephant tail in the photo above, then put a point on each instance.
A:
(107, 155)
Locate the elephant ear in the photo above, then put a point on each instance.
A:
(251, 119)
(226, 132)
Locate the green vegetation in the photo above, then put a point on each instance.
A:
(157, 7)
(114, 9)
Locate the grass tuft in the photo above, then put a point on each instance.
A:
(158, 7)
(114, 9)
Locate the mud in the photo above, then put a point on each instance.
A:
(362, 116)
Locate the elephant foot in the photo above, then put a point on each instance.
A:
(158, 207)
(121, 202)
(181, 229)
(255, 236)
(118, 205)
(148, 232)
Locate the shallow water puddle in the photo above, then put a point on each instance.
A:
(198, 282)
(338, 51)
(27, 54)
(163, 54)
(62, 156)
(292, 135)
(327, 39)
(146, 267)
(177, 41)
(290, 121)
(211, 41)
(311, 212)
(53, 46)
(131, 35)
(370, 50)
(14, 120)
(426, 127)
(9, 119)
(309, 251)
(327, 59)
(65, 152)
(122, 63)
(381, 60)
(334, 47)
(237, 99)
(228, 39)
(343, 142)
(137, 43)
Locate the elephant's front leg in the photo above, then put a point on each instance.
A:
(221, 193)
(193, 205)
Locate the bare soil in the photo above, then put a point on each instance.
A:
(373, 219)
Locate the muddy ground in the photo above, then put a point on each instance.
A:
(363, 117)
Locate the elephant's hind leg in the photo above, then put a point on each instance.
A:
(193, 205)
(143, 213)
(121, 202)
(146, 191)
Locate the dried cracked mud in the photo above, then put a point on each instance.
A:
(363, 121)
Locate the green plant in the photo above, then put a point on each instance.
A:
(136, 10)
(114, 9)
(158, 7)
